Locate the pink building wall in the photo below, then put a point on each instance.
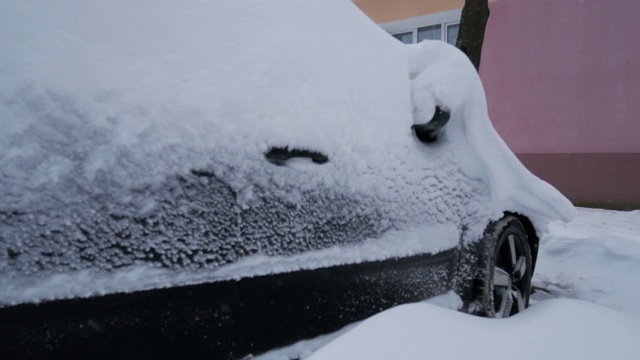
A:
(563, 76)
(563, 84)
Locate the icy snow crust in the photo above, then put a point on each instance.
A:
(134, 133)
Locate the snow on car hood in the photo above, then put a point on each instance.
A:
(98, 98)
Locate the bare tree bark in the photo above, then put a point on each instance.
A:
(473, 22)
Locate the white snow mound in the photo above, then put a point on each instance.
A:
(555, 329)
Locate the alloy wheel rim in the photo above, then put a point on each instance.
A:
(509, 276)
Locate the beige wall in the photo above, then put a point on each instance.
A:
(382, 11)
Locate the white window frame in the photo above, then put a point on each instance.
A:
(411, 25)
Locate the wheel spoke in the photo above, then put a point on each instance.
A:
(512, 249)
(501, 278)
(519, 269)
(517, 299)
(506, 303)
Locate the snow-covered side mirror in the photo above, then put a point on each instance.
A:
(428, 132)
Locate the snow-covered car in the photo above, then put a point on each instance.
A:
(218, 178)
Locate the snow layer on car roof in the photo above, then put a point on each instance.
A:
(236, 75)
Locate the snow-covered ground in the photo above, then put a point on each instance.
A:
(587, 306)
(595, 258)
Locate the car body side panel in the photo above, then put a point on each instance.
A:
(207, 218)
(221, 320)
(197, 223)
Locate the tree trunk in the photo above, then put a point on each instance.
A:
(475, 14)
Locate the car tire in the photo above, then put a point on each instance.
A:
(505, 282)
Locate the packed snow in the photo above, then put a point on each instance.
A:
(134, 136)
(556, 329)
(585, 307)
(595, 258)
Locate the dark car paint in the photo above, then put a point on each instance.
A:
(221, 320)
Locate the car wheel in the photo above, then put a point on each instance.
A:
(506, 281)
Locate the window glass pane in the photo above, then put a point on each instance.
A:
(452, 33)
(406, 38)
(433, 32)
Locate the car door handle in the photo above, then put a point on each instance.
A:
(279, 155)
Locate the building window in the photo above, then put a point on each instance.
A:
(405, 37)
(440, 26)
(433, 32)
(452, 33)
(445, 32)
